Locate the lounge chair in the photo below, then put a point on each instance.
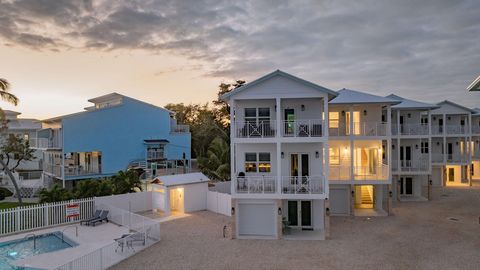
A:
(103, 217)
(128, 240)
(95, 216)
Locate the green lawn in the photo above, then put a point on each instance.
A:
(6, 205)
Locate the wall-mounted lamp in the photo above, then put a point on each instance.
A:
(275, 107)
(434, 118)
(353, 193)
(449, 118)
(390, 193)
(327, 211)
(393, 146)
(478, 141)
(302, 107)
(282, 155)
(456, 143)
(364, 112)
(438, 143)
(345, 151)
(343, 113)
(317, 155)
(416, 146)
(233, 211)
(279, 211)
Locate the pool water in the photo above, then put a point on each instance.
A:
(24, 248)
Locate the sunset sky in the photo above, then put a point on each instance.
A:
(59, 53)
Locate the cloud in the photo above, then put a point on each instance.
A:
(413, 47)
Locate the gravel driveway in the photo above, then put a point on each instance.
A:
(441, 234)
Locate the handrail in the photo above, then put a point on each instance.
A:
(76, 231)
(26, 237)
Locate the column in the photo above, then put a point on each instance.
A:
(232, 145)
(430, 147)
(445, 152)
(279, 167)
(351, 137)
(326, 156)
(398, 141)
(278, 125)
(278, 112)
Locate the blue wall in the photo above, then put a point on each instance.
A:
(119, 133)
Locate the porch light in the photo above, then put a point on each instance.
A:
(449, 118)
(233, 211)
(456, 143)
(409, 115)
(303, 107)
(438, 143)
(390, 193)
(353, 193)
(317, 155)
(416, 146)
(282, 155)
(393, 146)
(343, 113)
(345, 151)
(364, 112)
(279, 211)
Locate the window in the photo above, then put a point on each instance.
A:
(260, 161)
(462, 122)
(334, 156)
(424, 120)
(263, 114)
(264, 165)
(25, 136)
(424, 147)
(333, 119)
(250, 114)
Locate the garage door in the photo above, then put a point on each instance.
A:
(437, 176)
(256, 219)
(339, 201)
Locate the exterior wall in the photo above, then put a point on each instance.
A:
(118, 132)
(195, 197)
(476, 169)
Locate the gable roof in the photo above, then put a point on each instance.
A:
(411, 104)
(477, 111)
(348, 96)
(475, 85)
(456, 105)
(282, 74)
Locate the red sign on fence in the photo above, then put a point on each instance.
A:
(73, 210)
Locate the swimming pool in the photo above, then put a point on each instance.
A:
(27, 247)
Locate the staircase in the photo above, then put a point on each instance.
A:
(367, 194)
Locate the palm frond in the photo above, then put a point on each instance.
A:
(4, 84)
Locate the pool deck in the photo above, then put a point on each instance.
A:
(89, 239)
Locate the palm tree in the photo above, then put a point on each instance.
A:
(5, 95)
(216, 164)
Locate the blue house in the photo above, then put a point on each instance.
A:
(116, 133)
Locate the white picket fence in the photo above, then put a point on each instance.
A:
(38, 216)
(110, 255)
(220, 203)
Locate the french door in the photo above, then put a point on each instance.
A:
(289, 122)
(300, 214)
(406, 156)
(406, 186)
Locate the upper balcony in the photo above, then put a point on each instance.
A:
(450, 158)
(360, 173)
(422, 164)
(46, 143)
(268, 129)
(410, 129)
(179, 128)
(289, 185)
(358, 129)
(475, 129)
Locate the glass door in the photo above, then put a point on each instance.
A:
(300, 214)
(306, 213)
(406, 186)
(289, 122)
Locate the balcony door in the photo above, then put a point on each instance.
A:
(401, 125)
(289, 121)
(299, 165)
(450, 151)
(406, 156)
(300, 214)
(356, 123)
(406, 186)
(366, 161)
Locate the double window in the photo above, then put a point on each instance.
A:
(424, 147)
(334, 156)
(258, 162)
(333, 118)
(257, 115)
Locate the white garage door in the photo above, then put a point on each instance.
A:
(339, 201)
(256, 219)
(437, 176)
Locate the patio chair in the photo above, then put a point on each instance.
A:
(103, 217)
(95, 216)
(128, 240)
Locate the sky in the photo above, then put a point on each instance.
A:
(59, 53)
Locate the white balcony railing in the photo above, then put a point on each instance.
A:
(302, 128)
(45, 143)
(81, 170)
(438, 158)
(260, 129)
(53, 169)
(456, 129)
(255, 184)
(457, 158)
(338, 172)
(410, 129)
(359, 129)
(303, 184)
(155, 155)
(437, 130)
(476, 129)
(180, 128)
(419, 165)
(365, 173)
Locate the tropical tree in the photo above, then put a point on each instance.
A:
(55, 194)
(216, 164)
(16, 149)
(93, 188)
(126, 182)
(221, 107)
(5, 95)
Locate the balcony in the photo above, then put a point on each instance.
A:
(180, 129)
(302, 184)
(80, 171)
(452, 158)
(411, 129)
(256, 184)
(336, 172)
(302, 128)
(476, 129)
(437, 130)
(456, 129)
(420, 165)
(359, 129)
(261, 129)
(361, 173)
(155, 155)
(46, 143)
(53, 169)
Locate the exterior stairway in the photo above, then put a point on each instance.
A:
(367, 195)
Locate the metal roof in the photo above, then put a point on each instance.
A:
(348, 96)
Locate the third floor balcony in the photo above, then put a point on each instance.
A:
(268, 128)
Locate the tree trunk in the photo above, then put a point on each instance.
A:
(14, 181)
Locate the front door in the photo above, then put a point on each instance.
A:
(289, 122)
(451, 175)
(406, 186)
(300, 214)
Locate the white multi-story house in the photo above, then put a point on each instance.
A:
(411, 148)
(279, 157)
(359, 153)
(451, 127)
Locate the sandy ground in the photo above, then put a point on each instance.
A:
(420, 235)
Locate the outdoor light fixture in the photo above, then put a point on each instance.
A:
(327, 211)
(434, 118)
(233, 211)
(438, 143)
(456, 143)
(449, 118)
(343, 113)
(279, 211)
(416, 146)
(364, 112)
(303, 107)
(393, 146)
(317, 155)
(282, 155)
(390, 193)
(353, 193)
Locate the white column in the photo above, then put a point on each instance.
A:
(278, 112)
(232, 145)
(352, 163)
(445, 150)
(325, 146)
(430, 146)
(398, 141)
(279, 167)
(278, 122)
(389, 142)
